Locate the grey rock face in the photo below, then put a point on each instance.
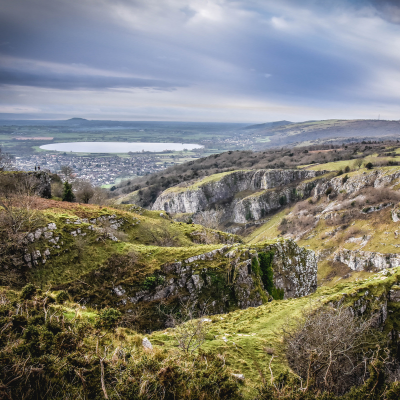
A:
(376, 178)
(43, 187)
(226, 277)
(264, 184)
(367, 260)
(147, 344)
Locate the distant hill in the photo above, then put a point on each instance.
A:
(77, 119)
(318, 132)
(267, 125)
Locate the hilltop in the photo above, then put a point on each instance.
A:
(326, 131)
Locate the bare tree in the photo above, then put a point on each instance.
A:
(190, 325)
(84, 190)
(328, 348)
(100, 196)
(18, 218)
(57, 189)
(357, 163)
(16, 198)
(66, 172)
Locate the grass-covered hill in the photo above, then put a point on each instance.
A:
(139, 260)
(145, 190)
(318, 132)
(63, 348)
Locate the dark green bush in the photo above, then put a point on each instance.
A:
(28, 291)
(62, 297)
(152, 282)
(68, 194)
(283, 200)
(108, 318)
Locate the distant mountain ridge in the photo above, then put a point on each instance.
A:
(268, 125)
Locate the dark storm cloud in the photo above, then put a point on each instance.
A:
(388, 9)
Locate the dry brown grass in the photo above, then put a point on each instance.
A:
(353, 231)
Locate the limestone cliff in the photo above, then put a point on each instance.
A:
(228, 278)
(377, 178)
(243, 195)
(359, 260)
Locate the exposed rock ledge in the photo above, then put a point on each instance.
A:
(257, 201)
(367, 260)
(227, 277)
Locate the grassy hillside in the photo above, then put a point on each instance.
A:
(360, 221)
(96, 278)
(84, 237)
(316, 132)
(246, 342)
(249, 338)
(144, 190)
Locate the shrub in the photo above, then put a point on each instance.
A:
(282, 200)
(108, 318)
(68, 194)
(328, 191)
(369, 165)
(62, 297)
(28, 291)
(347, 169)
(329, 347)
(152, 282)
(353, 231)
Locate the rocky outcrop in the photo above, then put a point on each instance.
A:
(228, 278)
(43, 186)
(378, 178)
(396, 214)
(49, 241)
(259, 205)
(244, 195)
(367, 260)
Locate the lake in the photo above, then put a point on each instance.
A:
(118, 147)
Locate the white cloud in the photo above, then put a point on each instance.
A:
(280, 23)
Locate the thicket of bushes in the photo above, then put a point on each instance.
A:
(44, 356)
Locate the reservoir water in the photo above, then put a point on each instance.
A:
(118, 147)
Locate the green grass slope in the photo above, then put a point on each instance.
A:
(248, 339)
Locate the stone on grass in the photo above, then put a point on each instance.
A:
(146, 344)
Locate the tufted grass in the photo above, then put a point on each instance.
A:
(79, 255)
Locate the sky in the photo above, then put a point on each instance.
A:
(200, 60)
